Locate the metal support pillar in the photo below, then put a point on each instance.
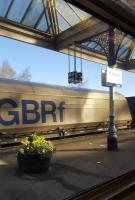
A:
(112, 143)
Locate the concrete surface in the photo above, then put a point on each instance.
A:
(76, 165)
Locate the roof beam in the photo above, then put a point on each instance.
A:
(79, 32)
(87, 54)
(22, 33)
(116, 13)
(128, 65)
(50, 4)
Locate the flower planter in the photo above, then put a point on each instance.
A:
(33, 163)
(34, 155)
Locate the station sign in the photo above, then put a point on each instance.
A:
(111, 77)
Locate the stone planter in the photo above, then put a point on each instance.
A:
(33, 163)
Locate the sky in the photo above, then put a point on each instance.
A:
(52, 67)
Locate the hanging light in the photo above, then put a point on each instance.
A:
(74, 76)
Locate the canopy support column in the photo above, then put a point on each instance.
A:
(112, 142)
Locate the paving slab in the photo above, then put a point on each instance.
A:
(77, 164)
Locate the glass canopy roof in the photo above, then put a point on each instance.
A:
(123, 45)
(38, 14)
(56, 24)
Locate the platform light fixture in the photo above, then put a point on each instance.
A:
(74, 76)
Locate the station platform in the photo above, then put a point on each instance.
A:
(76, 165)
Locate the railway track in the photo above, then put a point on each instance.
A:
(120, 188)
(13, 140)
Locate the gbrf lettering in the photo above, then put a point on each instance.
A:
(48, 108)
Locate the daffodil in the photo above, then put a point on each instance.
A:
(35, 144)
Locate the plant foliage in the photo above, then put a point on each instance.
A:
(37, 145)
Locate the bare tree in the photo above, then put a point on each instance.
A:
(25, 75)
(6, 71)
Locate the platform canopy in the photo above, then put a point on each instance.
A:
(61, 25)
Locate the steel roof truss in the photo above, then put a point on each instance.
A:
(26, 11)
(8, 10)
(38, 21)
